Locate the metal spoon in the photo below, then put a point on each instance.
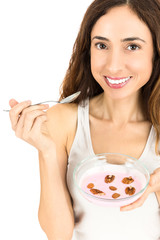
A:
(68, 99)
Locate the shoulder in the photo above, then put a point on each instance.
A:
(62, 122)
(62, 114)
(62, 109)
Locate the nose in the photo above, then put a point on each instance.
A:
(114, 62)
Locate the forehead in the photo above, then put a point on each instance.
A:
(122, 22)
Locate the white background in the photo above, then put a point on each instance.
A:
(36, 40)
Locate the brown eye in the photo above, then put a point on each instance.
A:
(133, 47)
(101, 46)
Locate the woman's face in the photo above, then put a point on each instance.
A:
(121, 53)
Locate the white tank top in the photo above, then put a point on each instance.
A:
(93, 222)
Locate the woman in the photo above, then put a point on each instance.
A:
(116, 66)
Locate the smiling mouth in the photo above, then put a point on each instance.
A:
(117, 80)
(117, 83)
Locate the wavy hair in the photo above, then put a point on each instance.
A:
(79, 77)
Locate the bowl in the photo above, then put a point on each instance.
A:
(111, 179)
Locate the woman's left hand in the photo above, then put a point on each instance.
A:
(153, 186)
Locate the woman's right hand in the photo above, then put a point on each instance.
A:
(29, 124)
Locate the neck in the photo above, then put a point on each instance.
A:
(122, 111)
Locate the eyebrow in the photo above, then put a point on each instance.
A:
(122, 40)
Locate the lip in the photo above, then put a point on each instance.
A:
(116, 86)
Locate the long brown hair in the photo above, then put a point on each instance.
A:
(79, 77)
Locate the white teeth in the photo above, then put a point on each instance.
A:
(117, 81)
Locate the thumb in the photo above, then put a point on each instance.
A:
(155, 180)
(13, 102)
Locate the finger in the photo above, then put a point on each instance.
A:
(38, 125)
(155, 180)
(15, 112)
(157, 170)
(13, 102)
(26, 122)
(20, 111)
(30, 120)
(34, 108)
(39, 139)
(28, 114)
(139, 202)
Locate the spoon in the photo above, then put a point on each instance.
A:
(68, 99)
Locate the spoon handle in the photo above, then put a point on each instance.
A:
(65, 100)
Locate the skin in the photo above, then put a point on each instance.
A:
(117, 57)
(121, 46)
(52, 134)
(48, 133)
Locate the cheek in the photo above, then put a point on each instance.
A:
(141, 66)
(96, 68)
(97, 63)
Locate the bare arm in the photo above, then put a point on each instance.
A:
(48, 134)
(55, 210)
